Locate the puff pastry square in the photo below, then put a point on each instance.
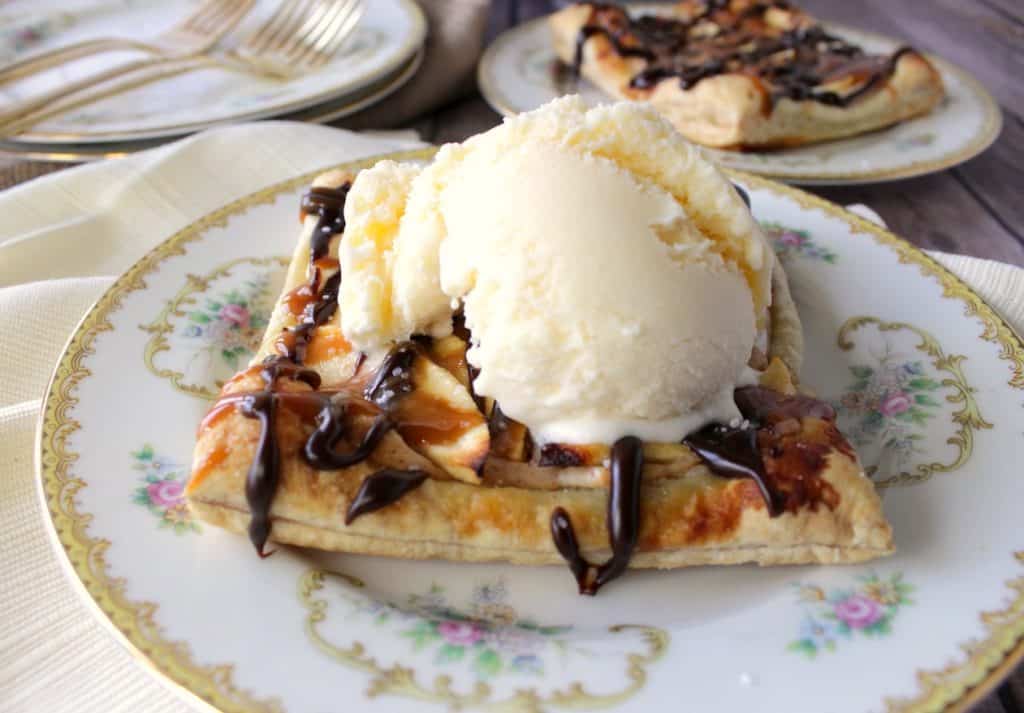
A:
(738, 74)
(446, 475)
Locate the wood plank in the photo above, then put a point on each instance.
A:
(1010, 9)
(463, 119)
(997, 176)
(935, 212)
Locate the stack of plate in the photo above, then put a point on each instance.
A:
(382, 54)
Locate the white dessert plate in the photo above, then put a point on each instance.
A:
(519, 72)
(929, 384)
(388, 35)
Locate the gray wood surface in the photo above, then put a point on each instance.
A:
(975, 209)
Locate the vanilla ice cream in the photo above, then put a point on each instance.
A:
(613, 282)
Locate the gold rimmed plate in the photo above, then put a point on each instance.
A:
(928, 384)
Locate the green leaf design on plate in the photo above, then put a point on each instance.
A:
(488, 663)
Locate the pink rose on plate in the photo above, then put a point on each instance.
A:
(166, 493)
(789, 238)
(462, 633)
(235, 314)
(858, 611)
(893, 403)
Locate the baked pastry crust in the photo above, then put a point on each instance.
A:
(689, 516)
(735, 110)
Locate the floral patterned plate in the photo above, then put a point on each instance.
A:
(928, 382)
(386, 38)
(518, 73)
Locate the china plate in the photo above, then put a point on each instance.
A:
(928, 382)
(387, 36)
(332, 110)
(517, 73)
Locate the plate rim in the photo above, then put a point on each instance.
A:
(413, 43)
(991, 127)
(956, 687)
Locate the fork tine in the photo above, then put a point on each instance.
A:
(323, 32)
(196, 21)
(257, 41)
(235, 11)
(329, 34)
(316, 20)
(342, 26)
(326, 34)
(323, 54)
(211, 20)
(287, 27)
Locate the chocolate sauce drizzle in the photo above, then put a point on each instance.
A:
(392, 382)
(623, 520)
(265, 471)
(737, 451)
(319, 450)
(381, 489)
(328, 204)
(744, 196)
(393, 379)
(671, 50)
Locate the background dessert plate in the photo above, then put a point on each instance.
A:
(388, 35)
(519, 73)
(928, 382)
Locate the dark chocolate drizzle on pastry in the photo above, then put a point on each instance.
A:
(328, 205)
(676, 48)
(265, 471)
(393, 380)
(381, 489)
(623, 520)
(787, 474)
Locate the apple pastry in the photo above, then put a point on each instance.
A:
(738, 74)
(564, 340)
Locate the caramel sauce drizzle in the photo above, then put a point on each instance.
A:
(813, 55)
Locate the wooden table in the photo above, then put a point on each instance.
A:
(975, 209)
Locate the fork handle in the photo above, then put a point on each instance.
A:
(35, 103)
(61, 55)
(154, 71)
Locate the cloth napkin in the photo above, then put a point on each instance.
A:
(54, 655)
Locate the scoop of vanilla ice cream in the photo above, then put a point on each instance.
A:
(612, 280)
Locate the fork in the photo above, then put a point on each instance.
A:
(300, 36)
(198, 32)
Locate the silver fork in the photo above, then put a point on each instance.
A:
(300, 36)
(196, 33)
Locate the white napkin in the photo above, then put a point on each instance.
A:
(54, 654)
